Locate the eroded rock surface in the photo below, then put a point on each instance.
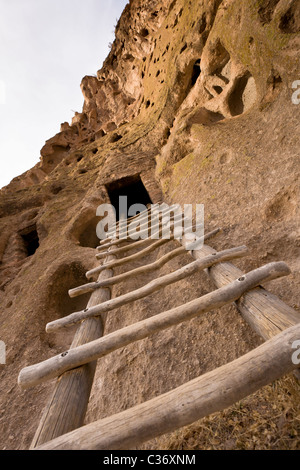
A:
(194, 99)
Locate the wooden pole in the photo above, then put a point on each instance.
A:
(56, 365)
(147, 289)
(90, 287)
(207, 394)
(127, 259)
(143, 219)
(67, 407)
(265, 312)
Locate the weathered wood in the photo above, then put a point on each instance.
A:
(127, 259)
(68, 404)
(145, 216)
(90, 287)
(265, 312)
(133, 257)
(207, 394)
(155, 232)
(147, 289)
(131, 232)
(55, 366)
(113, 243)
(133, 244)
(126, 248)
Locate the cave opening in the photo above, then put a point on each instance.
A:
(133, 188)
(88, 236)
(196, 72)
(31, 240)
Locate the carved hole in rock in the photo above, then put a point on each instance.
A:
(224, 158)
(157, 73)
(290, 21)
(196, 72)
(111, 126)
(31, 239)
(79, 158)
(183, 48)
(55, 189)
(87, 235)
(82, 171)
(148, 102)
(100, 134)
(130, 186)
(243, 96)
(144, 32)
(94, 151)
(60, 304)
(115, 138)
(218, 89)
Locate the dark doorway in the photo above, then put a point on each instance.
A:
(196, 72)
(132, 187)
(31, 240)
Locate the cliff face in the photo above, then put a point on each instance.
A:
(196, 98)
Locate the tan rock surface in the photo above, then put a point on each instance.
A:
(196, 97)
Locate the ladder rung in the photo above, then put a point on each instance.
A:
(76, 357)
(90, 287)
(128, 259)
(147, 289)
(202, 396)
(144, 216)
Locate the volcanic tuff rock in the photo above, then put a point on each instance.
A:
(195, 97)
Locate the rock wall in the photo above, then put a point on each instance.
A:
(195, 97)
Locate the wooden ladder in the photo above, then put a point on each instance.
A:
(62, 424)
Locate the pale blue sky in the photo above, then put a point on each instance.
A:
(46, 48)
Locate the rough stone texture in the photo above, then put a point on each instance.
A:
(195, 97)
